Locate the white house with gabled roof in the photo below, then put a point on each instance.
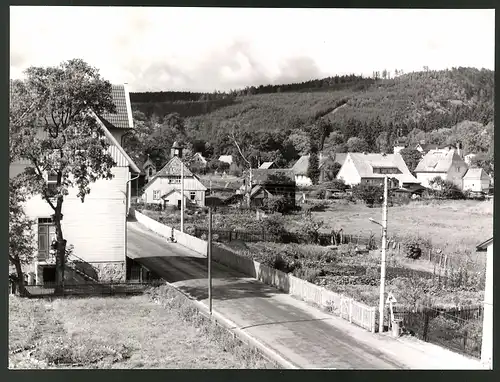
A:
(371, 168)
(96, 228)
(169, 178)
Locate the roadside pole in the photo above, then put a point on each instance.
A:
(209, 259)
(383, 263)
(182, 196)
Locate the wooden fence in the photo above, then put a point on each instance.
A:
(324, 239)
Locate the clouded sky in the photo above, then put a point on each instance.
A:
(203, 49)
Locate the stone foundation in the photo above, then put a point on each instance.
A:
(111, 272)
(104, 272)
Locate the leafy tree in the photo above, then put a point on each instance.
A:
(382, 142)
(484, 161)
(411, 157)
(313, 171)
(300, 142)
(74, 149)
(335, 139)
(445, 189)
(357, 145)
(368, 193)
(311, 228)
(21, 239)
(336, 184)
(279, 204)
(331, 169)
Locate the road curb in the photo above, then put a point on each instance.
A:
(246, 338)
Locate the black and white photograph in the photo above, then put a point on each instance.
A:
(251, 188)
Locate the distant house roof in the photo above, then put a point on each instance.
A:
(300, 167)
(226, 158)
(256, 189)
(122, 119)
(365, 163)
(202, 158)
(476, 174)
(428, 146)
(437, 161)
(266, 165)
(484, 245)
(173, 168)
(260, 176)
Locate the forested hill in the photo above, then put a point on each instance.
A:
(277, 120)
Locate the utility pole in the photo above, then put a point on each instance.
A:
(209, 259)
(182, 195)
(382, 267)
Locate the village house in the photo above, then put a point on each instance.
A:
(148, 169)
(226, 158)
(96, 228)
(424, 148)
(159, 190)
(302, 165)
(399, 145)
(371, 168)
(268, 183)
(476, 180)
(444, 163)
(198, 162)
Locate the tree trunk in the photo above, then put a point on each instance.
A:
(20, 276)
(61, 253)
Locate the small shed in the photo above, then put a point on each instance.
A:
(173, 198)
(476, 180)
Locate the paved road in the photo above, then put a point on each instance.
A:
(303, 335)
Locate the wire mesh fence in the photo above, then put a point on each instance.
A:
(458, 329)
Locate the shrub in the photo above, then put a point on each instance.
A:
(445, 189)
(368, 193)
(311, 227)
(413, 246)
(275, 225)
(279, 204)
(336, 184)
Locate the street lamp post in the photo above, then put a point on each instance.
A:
(383, 262)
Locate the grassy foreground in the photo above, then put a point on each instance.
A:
(125, 333)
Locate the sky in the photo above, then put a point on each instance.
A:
(207, 49)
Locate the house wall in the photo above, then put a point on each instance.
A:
(162, 185)
(349, 173)
(487, 343)
(96, 228)
(303, 181)
(425, 177)
(457, 171)
(476, 184)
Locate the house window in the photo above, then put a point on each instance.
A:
(192, 195)
(156, 194)
(175, 179)
(150, 171)
(46, 233)
(458, 169)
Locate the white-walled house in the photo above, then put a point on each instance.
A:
(97, 227)
(371, 168)
(476, 179)
(487, 341)
(169, 178)
(445, 163)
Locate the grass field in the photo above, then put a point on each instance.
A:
(124, 333)
(448, 224)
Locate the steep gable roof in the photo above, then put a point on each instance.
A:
(365, 163)
(437, 161)
(476, 174)
(266, 165)
(122, 119)
(173, 168)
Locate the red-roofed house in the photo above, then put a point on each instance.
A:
(97, 227)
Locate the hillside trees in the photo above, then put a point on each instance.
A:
(357, 145)
(73, 151)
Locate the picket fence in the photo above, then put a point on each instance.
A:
(347, 308)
